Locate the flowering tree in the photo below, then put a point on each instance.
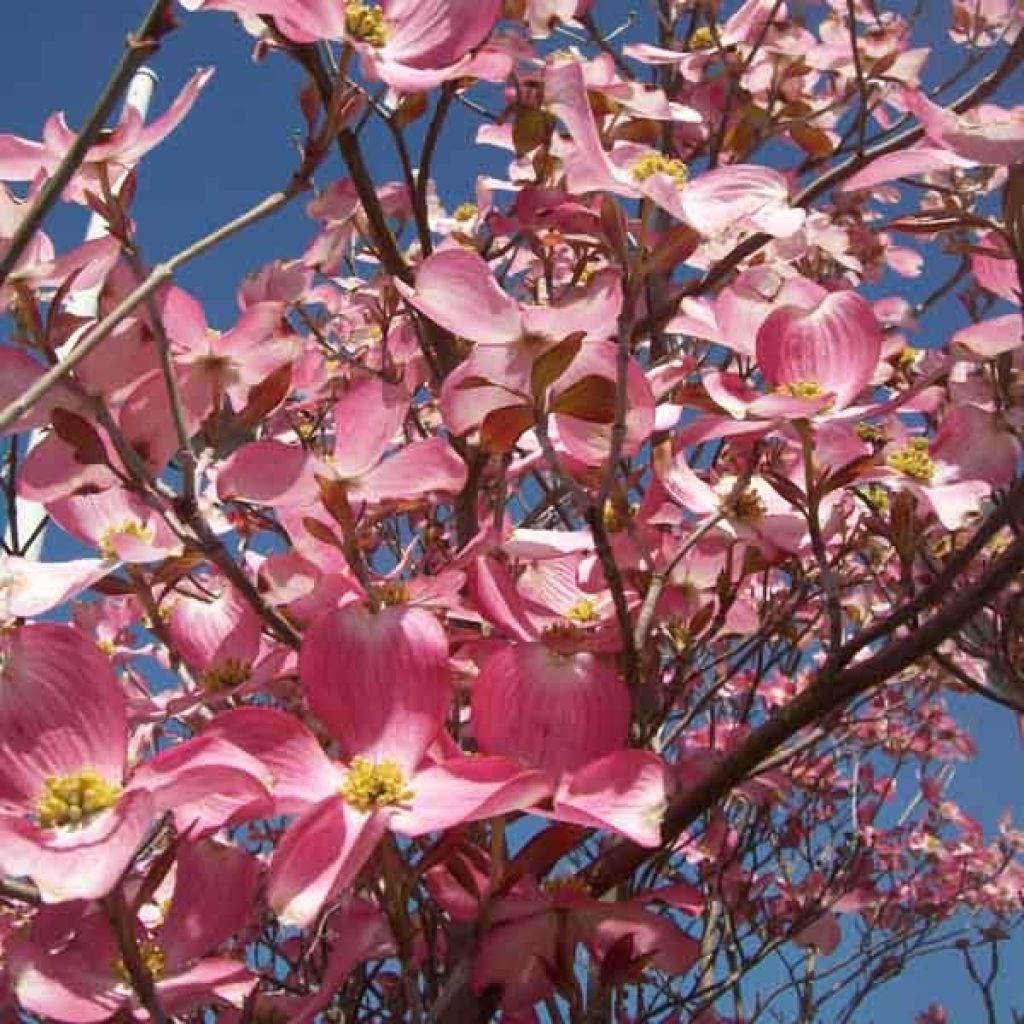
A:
(553, 606)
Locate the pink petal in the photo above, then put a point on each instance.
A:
(208, 633)
(434, 33)
(18, 371)
(836, 345)
(992, 337)
(302, 773)
(267, 473)
(366, 421)
(215, 979)
(903, 164)
(378, 681)
(468, 789)
(418, 470)
(214, 893)
(29, 588)
(601, 926)
(158, 129)
(988, 135)
(553, 711)
(62, 988)
(627, 792)
(519, 957)
(455, 288)
(718, 199)
(62, 710)
(77, 863)
(319, 856)
(206, 783)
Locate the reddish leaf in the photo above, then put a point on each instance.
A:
(591, 399)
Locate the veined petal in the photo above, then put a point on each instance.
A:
(82, 863)
(302, 773)
(206, 783)
(627, 792)
(378, 680)
(836, 345)
(553, 711)
(62, 710)
(320, 854)
(456, 289)
(468, 789)
(214, 890)
(418, 470)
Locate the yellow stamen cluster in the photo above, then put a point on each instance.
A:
(678, 633)
(153, 959)
(913, 460)
(702, 38)
(390, 594)
(370, 784)
(870, 432)
(129, 528)
(566, 884)
(614, 517)
(560, 632)
(75, 799)
(465, 212)
(748, 507)
(225, 676)
(801, 389)
(877, 497)
(583, 611)
(365, 23)
(657, 163)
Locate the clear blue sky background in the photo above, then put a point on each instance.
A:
(237, 146)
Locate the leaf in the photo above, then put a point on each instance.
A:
(80, 435)
(591, 399)
(674, 247)
(811, 139)
(334, 495)
(321, 532)
(267, 396)
(548, 367)
(532, 128)
(503, 427)
(413, 107)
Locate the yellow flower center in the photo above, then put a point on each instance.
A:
(153, 959)
(561, 631)
(801, 389)
(371, 784)
(75, 799)
(748, 507)
(390, 594)
(913, 460)
(366, 23)
(877, 497)
(615, 517)
(657, 163)
(129, 528)
(702, 38)
(225, 676)
(583, 611)
(870, 432)
(465, 211)
(570, 884)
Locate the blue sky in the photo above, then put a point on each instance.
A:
(237, 146)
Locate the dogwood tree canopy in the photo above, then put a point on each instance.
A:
(556, 603)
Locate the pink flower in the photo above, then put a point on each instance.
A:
(379, 682)
(413, 45)
(127, 143)
(68, 967)
(531, 359)
(72, 811)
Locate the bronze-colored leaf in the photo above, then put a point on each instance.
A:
(591, 399)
